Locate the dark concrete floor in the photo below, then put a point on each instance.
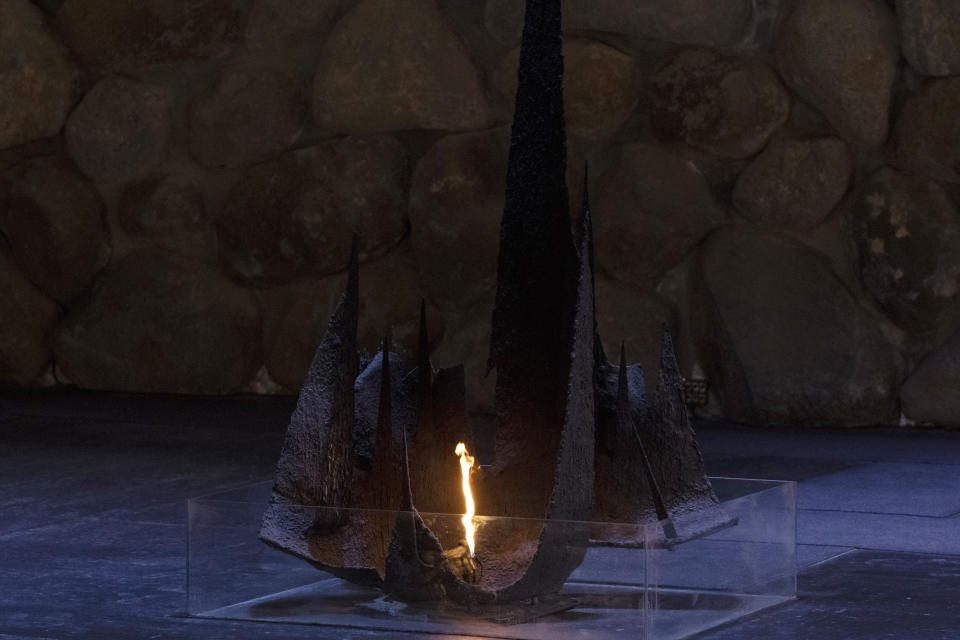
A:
(92, 490)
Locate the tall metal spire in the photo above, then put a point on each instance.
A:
(536, 278)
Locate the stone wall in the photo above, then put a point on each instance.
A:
(776, 180)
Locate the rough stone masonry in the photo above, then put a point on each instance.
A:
(178, 181)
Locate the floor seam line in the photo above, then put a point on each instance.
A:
(879, 513)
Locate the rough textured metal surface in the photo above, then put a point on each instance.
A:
(416, 566)
(537, 274)
(624, 491)
(441, 423)
(649, 466)
(676, 460)
(314, 468)
(536, 248)
(678, 467)
(319, 481)
(575, 437)
(316, 464)
(368, 394)
(562, 545)
(542, 343)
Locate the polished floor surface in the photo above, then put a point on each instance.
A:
(92, 490)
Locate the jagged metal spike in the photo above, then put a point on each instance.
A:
(585, 242)
(585, 229)
(562, 546)
(416, 568)
(441, 422)
(623, 398)
(363, 543)
(536, 276)
(586, 197)
(678, 466)
(662, 478)
(544, 400)
(413, 569)
(552, 379)
(434, 476)
(532, 325)
(623, 482)
(385, 408)
(406, 503)
(670, 394)
(315, 468)
(649, 468)
(435, 472)
(423, 344)
(627, 423)
(353, 270)
(424, 368)
(324, 412)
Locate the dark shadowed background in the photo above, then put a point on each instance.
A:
(776, 180)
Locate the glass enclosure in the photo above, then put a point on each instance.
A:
(648, 591)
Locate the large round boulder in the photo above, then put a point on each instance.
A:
(272, 228)
(164, 206)
(121, 130)
(368, 179)
(128, 37)
(931, 393)
(392, 65)
(54, 223)
(908, 234)
(650, 207)
(169, 210)
(157, 322)
(252, 112)
(721, 23)
(38, 81)
(727, 105)
(841, 56)
(930, 35)
(783, 338)
(26, 323)
(794, 184)
(926, 138)
(277, 24)
(601, 86)
(456, 203)
(295, 215)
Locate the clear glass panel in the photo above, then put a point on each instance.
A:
(646, 592)
(733, 572)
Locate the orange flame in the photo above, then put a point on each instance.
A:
(466, 463)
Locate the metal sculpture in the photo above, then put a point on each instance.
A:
(367, 457)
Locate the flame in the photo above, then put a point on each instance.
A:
(466, 463)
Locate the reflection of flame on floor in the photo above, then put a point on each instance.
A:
(466, 464)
